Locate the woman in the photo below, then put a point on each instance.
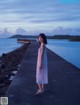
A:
(42, 66)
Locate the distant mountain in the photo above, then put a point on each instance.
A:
(23, 36)
(69, 37)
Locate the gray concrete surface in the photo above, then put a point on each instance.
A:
(63, 87)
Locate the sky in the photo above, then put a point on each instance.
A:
(34, 16)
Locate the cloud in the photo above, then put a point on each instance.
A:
(57, 31)
(38, 14)
(21, 31)
(5, 33)
(66, 31)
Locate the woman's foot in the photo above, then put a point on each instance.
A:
(38, 91)
(42, 90)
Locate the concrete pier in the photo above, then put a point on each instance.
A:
(63, 87)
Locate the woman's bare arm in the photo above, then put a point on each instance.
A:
(41, 55)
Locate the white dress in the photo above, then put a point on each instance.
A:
(42, 74)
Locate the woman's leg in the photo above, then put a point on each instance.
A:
(39, 90)
(42, 87)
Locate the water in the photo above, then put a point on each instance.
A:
(70, 51)
(8, 45)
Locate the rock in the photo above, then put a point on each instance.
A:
(9, 67)
(11, 78)
(3, 91)
(2, 66)
(2, 85)
(14, 72)
(3, 55)
(3, 78)
(7, 82)
(6, 71)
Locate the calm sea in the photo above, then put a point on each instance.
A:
(8, 44)
(70, 51)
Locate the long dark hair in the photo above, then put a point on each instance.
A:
(44, 37)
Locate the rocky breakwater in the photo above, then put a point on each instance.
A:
(9, 65)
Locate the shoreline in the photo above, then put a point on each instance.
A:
(9, 65)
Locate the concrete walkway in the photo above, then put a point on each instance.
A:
(63, 87)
